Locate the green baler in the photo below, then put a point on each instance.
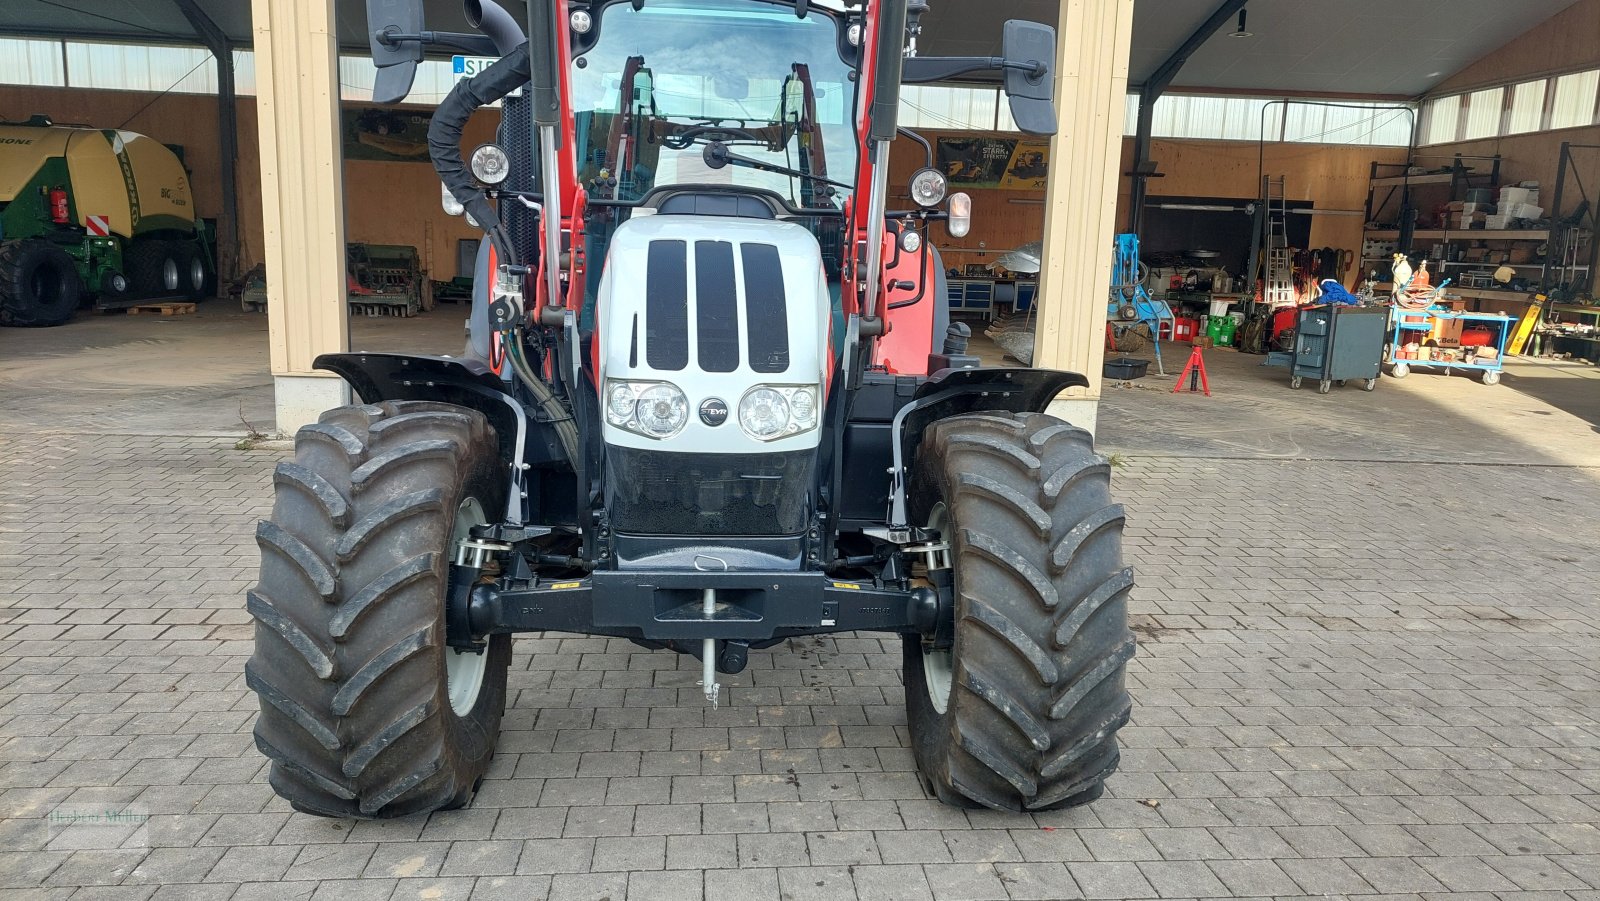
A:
(103, 214)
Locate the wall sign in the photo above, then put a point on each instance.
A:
(385, 135)
(1010, 163)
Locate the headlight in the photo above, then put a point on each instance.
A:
(662, 411)
(652, 409)
(927, 187)
(763, 413)
(769, 412)
(490, 164)
(910, 241)
(620, 403)
(581, 21)
(803, 408)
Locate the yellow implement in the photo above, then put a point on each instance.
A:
(1526, 325)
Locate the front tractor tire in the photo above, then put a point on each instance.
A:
(1021, 711)
(365, 710)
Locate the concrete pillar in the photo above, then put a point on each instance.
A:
(1092, 38)
(302, 202)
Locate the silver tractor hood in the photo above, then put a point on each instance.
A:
(717, 307)
(713, 357)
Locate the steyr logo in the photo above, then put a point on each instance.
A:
(713, 411)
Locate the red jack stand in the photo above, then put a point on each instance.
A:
(1195, 372)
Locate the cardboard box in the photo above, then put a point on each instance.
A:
(1488, 353)
(1518, 195)
(1447, 332)
(1497, 222)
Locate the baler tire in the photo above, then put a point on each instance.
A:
(1035, 691)
(39, 284)
(146, 262)
(194, 277)
(351, 665)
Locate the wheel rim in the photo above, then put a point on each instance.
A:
(464, 670)
(938, 666)
(197, 274)
(169, 274)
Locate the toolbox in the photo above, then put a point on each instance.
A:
(1336, 343)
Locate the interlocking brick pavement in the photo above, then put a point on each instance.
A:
(1355, 679)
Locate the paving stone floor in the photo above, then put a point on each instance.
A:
(1355, 679)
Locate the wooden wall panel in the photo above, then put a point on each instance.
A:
(1533, 157)
(1567, 40)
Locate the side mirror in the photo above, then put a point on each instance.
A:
(1030, 51)
(396, 59)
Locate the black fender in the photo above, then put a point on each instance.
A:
(464, 382)
(953, 392)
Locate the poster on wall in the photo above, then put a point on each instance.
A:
(1016, 165)
(1026, 169)
(974, 162)
(385, 135)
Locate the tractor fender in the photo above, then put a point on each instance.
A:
(464, 382)
(953, 392)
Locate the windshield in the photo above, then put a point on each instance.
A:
(664, 82)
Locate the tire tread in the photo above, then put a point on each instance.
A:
(349, 634)
(1042, 640)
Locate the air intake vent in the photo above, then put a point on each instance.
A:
(766, 308)
(716, 306)
(726, 289)
(666, 312)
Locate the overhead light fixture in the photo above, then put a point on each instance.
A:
(1240, 32)
(1198, 207)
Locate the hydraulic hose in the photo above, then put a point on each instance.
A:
(566, 429)
(444, 139)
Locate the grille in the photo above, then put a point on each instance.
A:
(516, 138)
(657, 492)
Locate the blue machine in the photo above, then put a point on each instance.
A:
(1130, 305)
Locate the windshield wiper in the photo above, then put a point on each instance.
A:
(717, 155)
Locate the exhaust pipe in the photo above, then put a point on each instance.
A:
(491, 18)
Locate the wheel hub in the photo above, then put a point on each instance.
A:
(938, 662)
(463, 668)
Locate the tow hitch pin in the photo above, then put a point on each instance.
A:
(708, 651)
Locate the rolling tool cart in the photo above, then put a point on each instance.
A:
(1336, 343)
(1480, 342)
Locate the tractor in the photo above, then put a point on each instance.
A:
(711, 401)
